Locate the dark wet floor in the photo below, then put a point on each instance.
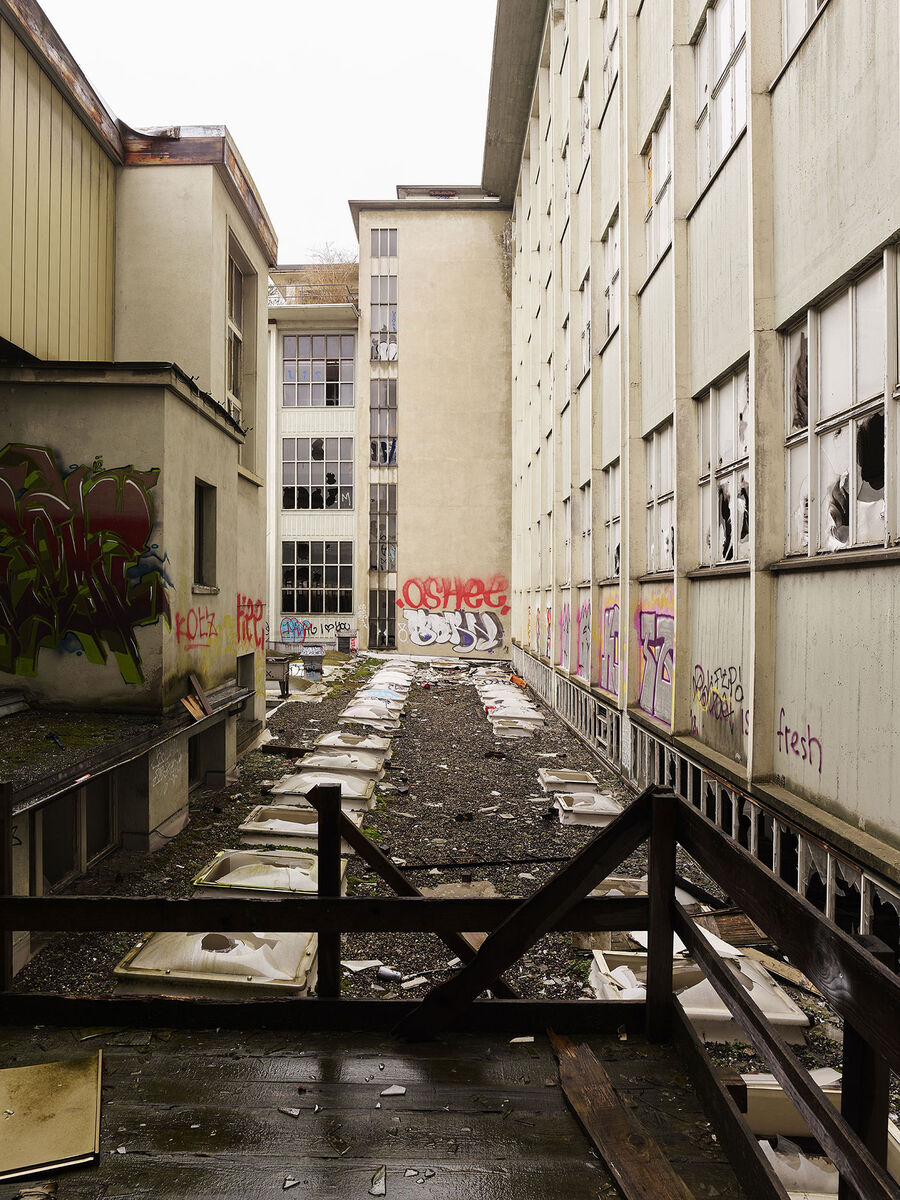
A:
(188, 1114)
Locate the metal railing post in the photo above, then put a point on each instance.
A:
(6, 883)
(662, 894)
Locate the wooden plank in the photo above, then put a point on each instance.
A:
(348, 914)
(18, 330)
(193, 707)
(327, 801)
(7, 134)
(32, 204)
(535, 916)
(201, 695)
(63, 332)
(6, 882)
(845, 1149)
(861, 990)
(42, 264)
(509, 1017)
(53, 186)
(661, 887)
(456, 941)
(866, 1082)
(718, 1098)
(774, 965)
(634, 1158)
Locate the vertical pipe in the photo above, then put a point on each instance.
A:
(662, 894)
(328, 802)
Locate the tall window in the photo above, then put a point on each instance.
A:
(383, 327)
(317, 472)
(613, 522)
(721, 61)
(661, 498)
(383, 527)
(796, 18)
(586, 557)
(567, 540)
(835, 422)
(234, 366)
(611, 271)
(383, 422)
(316, 577)
(382, 618)
(204, 534)
(610, 45)
(724, 419)
(585, 291)
(658, 169)
(584, 103)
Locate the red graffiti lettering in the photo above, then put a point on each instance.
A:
(442, 594)
(251, 628)
(196, 629)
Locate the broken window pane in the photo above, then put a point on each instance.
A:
(834, 484)
(742, 402)
(742, 516)
(725, 524)
(705, 548)
(870, 336)
(725, 423)
(834, 357)
(870, 478)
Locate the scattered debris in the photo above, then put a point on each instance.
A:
(379, 1183)
(394, 1090)
(513, 1041)
(290, 1112)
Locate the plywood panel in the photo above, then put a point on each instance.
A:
(57, 193)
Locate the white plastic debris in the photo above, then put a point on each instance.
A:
(379, 1183)
(411, 983)
(798, 1172)
(513, 1041)
(361, 964)
(394, 1090)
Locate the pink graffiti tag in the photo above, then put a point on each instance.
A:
(657, 634)
(609, 651)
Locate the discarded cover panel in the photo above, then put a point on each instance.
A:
(295, 827)
(341, 739)
(352, 787)
(586, 808)
(369, 763)
(247, 872)
(51, 1116)
(219, 965)
(561, 780)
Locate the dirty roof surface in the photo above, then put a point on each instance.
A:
(247, 1115)
(28, 751)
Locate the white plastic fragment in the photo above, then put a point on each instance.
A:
(379, 1183)
(799, 1173)
(409, 1173)
(513, 1041)
(394, 1090)
(289, 1182)
(361, 964)
(411, 983)
(290, 1112)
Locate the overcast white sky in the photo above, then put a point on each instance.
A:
(328, 100)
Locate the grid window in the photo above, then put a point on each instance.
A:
(235, 337)
(384, 243)
(317, 472)
(724, 432)
(721, 62)
(584, 101)
(382, 618)
(316, 577)
(658, 169)
(611, 268)
(613, 522)
(796, 18)
(610, 46)
(567, 541)
(383, 527)
(661, 498)
(383, 423)
(318, 370)
(835, 418)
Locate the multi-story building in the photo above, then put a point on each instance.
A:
(706, 205)
(132, 388)
(316, 464)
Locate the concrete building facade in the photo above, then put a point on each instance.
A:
(133, 384)
(706, 208)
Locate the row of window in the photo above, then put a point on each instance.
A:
(835, 448)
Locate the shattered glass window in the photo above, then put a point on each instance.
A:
(724, 475)
(845, 456)
(316, 577)
(317, 473)
(383, 423)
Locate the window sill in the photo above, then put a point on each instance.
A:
(659, 262)
(873, 556)
(722, 571)
(610, 581)
(612, 88)
(250, 476)
(716, 173)
(609, 337)
(585, 376)
(796, 50)
(656, 577)
(203, 589)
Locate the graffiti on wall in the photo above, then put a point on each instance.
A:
(464, 631)
(302, 629)
(78, 572)
(528, 637)
(565, 621)
(442, 594)
(196, 629)
(609, 650)
(718, 693)
(583, 665)
(798, 742)
(251, 622)
(549, 628)
(200, 629)
(655, 626)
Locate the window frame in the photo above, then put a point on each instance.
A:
(343, 564)
(660, 211)
(807, 533)
(315, 352)
(713, 87)
(612, 521)
(612, 267)
(660, 470)
(729, 468)
(293, 463)
(610, 26)
(383, 423)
